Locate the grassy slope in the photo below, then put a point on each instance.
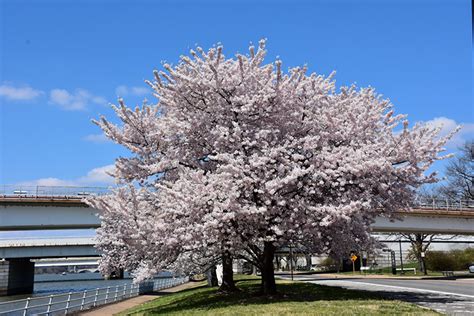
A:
(294, 298)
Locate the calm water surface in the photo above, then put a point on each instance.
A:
(47, 284)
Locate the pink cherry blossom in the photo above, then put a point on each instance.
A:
(241, 157)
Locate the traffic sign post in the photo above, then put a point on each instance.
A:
(353, 259)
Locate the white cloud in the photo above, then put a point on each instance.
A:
(24, 93)
(98, 175)
(123, 91)
(78, 100)
(96, 138)
(52, 182)
(447, 125)
(95, 177)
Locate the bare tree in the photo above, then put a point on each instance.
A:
(420, 243)
(460, 174)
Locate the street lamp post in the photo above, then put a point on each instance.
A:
(291, 261)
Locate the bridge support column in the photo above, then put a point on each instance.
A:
(16, 276)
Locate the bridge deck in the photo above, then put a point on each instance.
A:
(71, 212)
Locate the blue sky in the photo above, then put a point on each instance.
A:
(63, 62)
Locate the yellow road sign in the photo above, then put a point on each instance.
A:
(353, 258)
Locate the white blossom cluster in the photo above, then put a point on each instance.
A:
(238, 153)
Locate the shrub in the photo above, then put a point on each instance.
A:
(449, 260)
(329, 264)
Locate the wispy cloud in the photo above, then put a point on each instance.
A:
(123, 91)
(97, 138)
(50, 182)
(447, 125)
(23, 93)
(73, 101)
(96, 177)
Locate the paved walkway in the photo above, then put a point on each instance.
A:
(112, 309)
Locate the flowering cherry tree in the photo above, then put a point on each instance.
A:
(239, 157)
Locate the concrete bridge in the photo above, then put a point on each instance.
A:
(66, 212)
(43, 248)
(40, 210)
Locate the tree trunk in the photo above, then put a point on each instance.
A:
(212, 277)
(268, 273)
(228, 284)
(423, 265)
(308, 262)
(418, 247)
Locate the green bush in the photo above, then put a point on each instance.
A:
(455, 260)
(329, 264)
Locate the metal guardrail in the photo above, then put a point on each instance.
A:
(33, 191)
(79, 301)
(444, 204)
(72, 192)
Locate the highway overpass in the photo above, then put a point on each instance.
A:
(41, 248)
(40, 213)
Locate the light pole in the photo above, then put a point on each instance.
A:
(291, 261)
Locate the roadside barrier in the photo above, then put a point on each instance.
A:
(78, 301)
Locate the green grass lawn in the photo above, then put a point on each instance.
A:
(294, 298)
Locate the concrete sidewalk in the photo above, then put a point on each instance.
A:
(112, 309)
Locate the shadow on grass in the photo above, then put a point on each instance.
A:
(204, 298)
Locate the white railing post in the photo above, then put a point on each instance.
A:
(95, 297)
(124, 291)
(49, 304)
(116, 293)
(83, 299)
(107, 294)
(25, 310)
(67, 303)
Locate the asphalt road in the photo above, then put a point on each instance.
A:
(461, 286)
(452, 297)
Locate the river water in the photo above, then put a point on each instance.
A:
(47, 284)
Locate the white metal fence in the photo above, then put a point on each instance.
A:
(444, 204)
(77, 301)
(72, 192)
(28, 191)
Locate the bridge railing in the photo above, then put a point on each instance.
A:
(444, 204)
(75, 192)
(38, 191)
(78, 301)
